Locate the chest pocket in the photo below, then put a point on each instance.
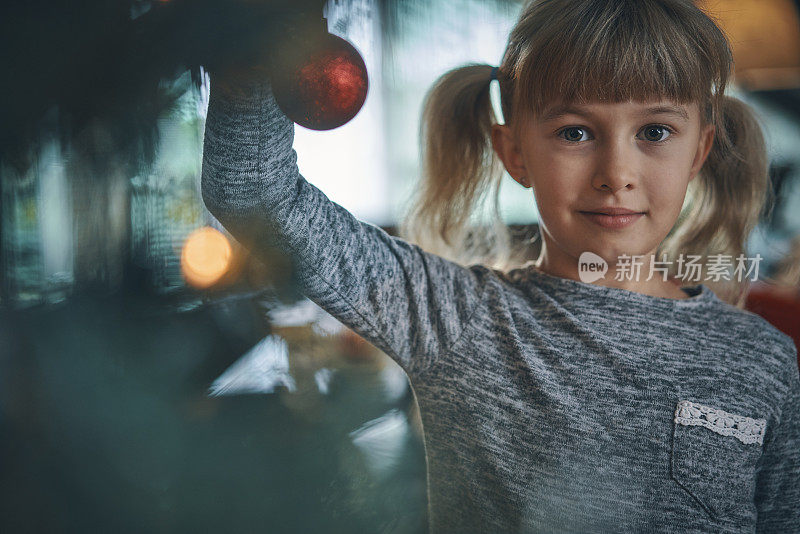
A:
(714, 455)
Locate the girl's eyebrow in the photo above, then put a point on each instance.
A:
(559, 111)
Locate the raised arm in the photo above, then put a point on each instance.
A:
(411, 304)
(778, 484)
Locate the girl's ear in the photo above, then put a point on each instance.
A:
(507, 149)
(704, 145)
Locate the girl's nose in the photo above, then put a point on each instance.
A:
(615, 168)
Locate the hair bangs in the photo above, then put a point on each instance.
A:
(618, 51)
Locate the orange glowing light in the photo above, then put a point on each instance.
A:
(765, 40)
(206, 257)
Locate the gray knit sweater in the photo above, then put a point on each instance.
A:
(548, 404)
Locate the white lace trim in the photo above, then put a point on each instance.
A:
(746, 429)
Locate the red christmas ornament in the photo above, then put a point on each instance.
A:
(320, 83)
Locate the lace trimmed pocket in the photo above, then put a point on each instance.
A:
(714, 455)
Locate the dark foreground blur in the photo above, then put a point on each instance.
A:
(113, 418)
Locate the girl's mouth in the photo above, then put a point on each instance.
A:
(613, 222)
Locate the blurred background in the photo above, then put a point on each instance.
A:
(154, 376)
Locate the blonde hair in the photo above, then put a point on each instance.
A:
(583, 51)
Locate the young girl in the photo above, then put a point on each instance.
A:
(551, 404)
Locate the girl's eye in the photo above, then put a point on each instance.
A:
(653, 133)
(572, 133)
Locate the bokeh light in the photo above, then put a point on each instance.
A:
(206, 257)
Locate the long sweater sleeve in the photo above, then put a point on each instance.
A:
(411, 304)
(778, 485)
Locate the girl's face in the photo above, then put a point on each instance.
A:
(583, 158)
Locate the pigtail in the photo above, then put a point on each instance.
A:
(459, 168)
(726, 200)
